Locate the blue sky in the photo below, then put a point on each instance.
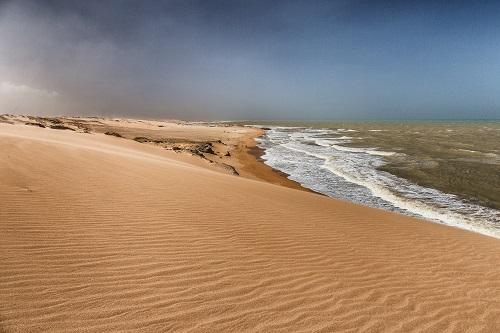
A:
(252, 59)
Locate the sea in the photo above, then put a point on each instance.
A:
(446, 172)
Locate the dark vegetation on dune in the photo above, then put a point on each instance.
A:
(5, 120)
(118, 135)
(61, 127)
(35, 124)
(142, 139)
(195, 148)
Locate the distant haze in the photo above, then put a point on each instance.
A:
(251, 59)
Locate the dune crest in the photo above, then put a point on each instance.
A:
(103, 234)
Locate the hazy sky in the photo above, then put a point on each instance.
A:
(251, 59)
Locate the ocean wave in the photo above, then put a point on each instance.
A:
(352, 173)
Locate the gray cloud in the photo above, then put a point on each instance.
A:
(22, 90)
(250, 59)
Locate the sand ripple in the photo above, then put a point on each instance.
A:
(93, 241)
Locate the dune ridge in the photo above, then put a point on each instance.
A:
(103, 234)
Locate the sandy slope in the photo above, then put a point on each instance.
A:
(104, 234)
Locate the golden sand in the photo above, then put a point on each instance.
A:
(100, 233)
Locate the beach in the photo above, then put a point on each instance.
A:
(446, 172)
(153, 226)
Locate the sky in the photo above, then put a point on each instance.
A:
(216, 60)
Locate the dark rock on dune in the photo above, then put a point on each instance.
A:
(35, 124)
(118, 135)
(61, 127)
(227, 154)
(206, 148)
(265, 128)
(176, 148)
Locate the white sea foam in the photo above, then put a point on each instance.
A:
(346, 130)
(370, 151)
(318, 159)
(380, 153)
(419, 208)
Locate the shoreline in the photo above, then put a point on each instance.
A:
(414, 209)
(252, 166)
(107, 233)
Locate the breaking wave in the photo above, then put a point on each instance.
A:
(318, 159)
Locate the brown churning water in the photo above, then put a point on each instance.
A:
(448, 172)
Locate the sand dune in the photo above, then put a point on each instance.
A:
(103, 234)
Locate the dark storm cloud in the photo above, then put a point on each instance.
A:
(251, 59)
